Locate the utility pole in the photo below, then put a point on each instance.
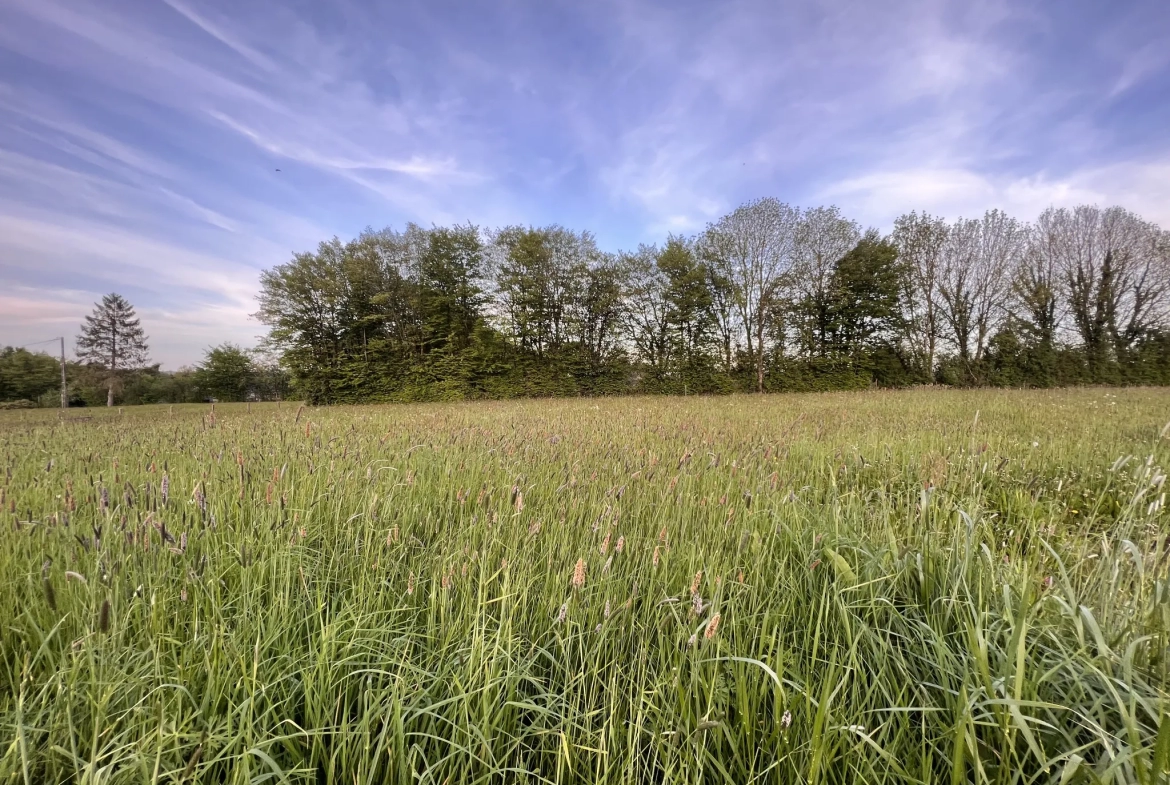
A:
(64, 391)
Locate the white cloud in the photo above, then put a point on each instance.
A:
(878, 197)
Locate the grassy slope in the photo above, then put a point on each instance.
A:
(906, 591)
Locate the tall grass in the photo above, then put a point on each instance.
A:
(883, 587)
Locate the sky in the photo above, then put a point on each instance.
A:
(170, 150)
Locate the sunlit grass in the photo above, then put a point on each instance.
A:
(919, 586)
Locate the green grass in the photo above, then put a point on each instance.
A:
(921, 586)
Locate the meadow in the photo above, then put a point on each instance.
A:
(915, 586)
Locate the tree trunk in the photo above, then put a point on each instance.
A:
(110, 395)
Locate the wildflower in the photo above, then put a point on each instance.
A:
(564, 614)
(785, 720)
(579, 574)
(692, 640)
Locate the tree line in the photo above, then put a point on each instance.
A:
(769, 297)
(113, 365)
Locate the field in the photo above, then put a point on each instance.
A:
(918, 586)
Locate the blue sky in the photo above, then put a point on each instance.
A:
(139, 139)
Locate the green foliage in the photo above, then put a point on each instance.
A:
(866, 288)
(460, 314)
(226, 373)
(30, 376)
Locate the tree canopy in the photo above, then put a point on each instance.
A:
(769, 297)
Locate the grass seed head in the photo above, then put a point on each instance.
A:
(104, 617)
(579, 574)
(50, 594)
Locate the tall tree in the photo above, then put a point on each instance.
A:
(753, 248)
(112, 339)
(451, 296)
(920, 239)
(974, 279)
(688, 297)
(1037, 297)
(597, 309)
(1113, 266)
(648, 308)
(867, 290)
(536, 280)
(226, 373)
(823, 237)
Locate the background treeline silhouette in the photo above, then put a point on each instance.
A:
(770, 297)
